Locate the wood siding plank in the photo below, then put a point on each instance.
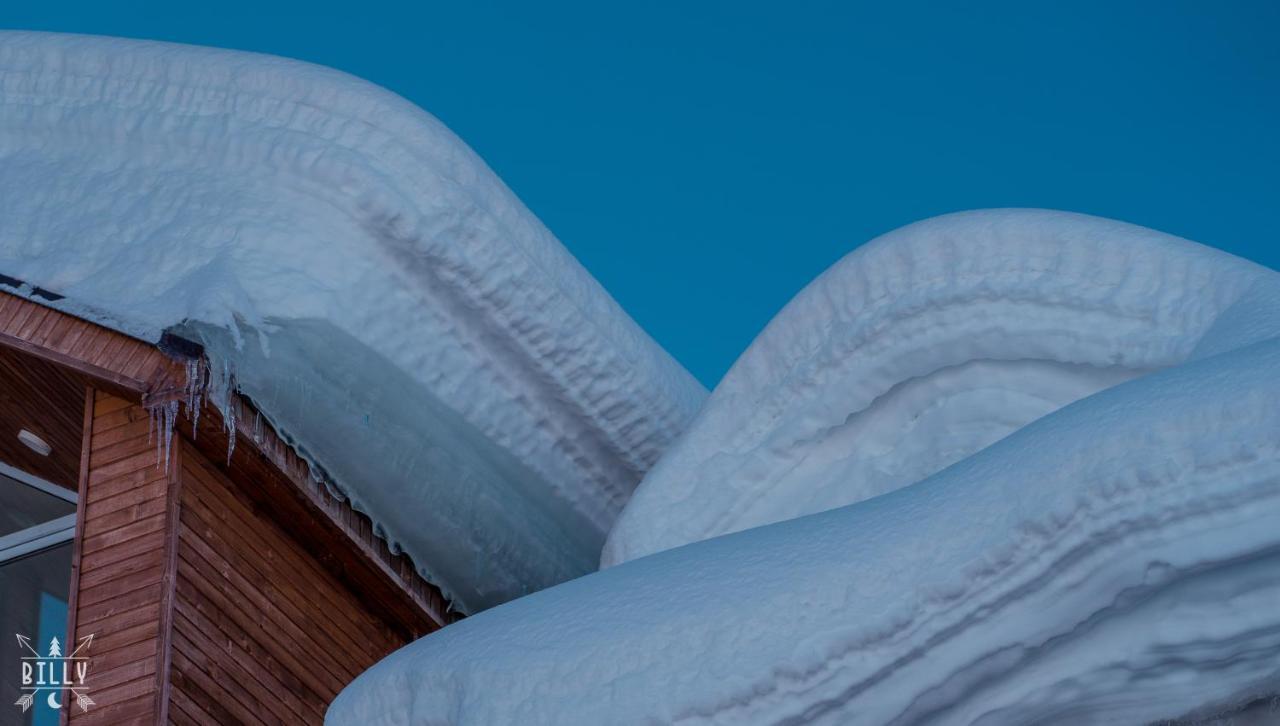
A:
(252, 605)
(255, 598)
(118, 587)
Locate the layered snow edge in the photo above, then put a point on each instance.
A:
(926, 345)
(1111, 559)
(362, 274)
(1114, 563)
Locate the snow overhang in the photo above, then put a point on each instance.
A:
(168, 380)
(357, 271)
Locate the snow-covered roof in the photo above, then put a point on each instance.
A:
(1115, 561)
(926, 345)
(367, 280)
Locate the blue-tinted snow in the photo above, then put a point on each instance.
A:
(928, 344)
(380, 294)
(1115, 561)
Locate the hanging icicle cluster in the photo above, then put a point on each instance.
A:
(163, 417)
(201, 385)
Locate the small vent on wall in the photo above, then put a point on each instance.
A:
(35, 443)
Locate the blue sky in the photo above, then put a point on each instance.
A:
(706, 160)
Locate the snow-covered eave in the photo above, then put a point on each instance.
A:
(165, 377)
(150, 371)
(363, 275)
(253, 447)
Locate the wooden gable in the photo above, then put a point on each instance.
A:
(217, 589)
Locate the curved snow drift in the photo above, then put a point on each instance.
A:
(1114, 562)
(370, 283)
(928, 344)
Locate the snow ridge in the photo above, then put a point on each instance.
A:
(924, 346)
(326, 240)
(1112, 563)
(1109, 556)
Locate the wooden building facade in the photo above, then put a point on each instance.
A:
(200, 582)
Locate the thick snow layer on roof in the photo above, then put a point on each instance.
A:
(928, 344)
(1114, 562)
(372, 285)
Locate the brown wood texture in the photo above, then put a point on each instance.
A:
(204, 609)
(342, 539)
(77, 540)
(262, 631)
(48, 401)
(135, 371)
(118, 578)
(112, 361)
(168, 582)
(221, 590)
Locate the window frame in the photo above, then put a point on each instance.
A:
(39, 537)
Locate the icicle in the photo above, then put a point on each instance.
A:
(153, 428)
(161, 420)
(191, 378)
(170, 419)
(196, 384)
(230, 413)
(195, 418)
(231, 430)
(218, 386)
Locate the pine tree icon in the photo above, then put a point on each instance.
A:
(55, 648)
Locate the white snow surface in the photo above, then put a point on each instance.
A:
(926, 345)
(369, 282)
(1114, 562)
(1111, 560)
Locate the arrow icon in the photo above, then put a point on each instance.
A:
(25, 642)
(84, 643)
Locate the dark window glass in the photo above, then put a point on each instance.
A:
(23, 506)
(33, 602)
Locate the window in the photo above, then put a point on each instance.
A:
(37, 522)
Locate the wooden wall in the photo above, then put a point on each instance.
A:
(261, 632)
(204, 610)
(216, 593)
(47, 400)
(330, 528)
(118, 591)
(117, 363)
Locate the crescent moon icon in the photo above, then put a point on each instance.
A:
(53, 700)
